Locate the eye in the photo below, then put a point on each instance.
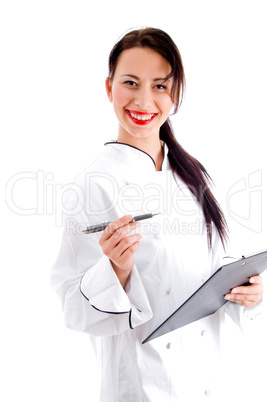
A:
(130, 83)
(161, 87)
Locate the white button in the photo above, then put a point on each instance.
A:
(168, 291)
(168, 345)
(203, 332)
(207, 392)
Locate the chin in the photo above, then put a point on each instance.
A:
(141, 132)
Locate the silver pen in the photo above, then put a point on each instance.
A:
(102, 226)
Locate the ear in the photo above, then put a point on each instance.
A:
(109, 88)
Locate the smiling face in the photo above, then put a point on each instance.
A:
(140, 96)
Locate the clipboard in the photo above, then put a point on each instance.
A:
(209, 297)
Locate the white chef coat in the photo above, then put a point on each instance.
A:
(171, 263)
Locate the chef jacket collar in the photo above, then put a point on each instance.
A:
(137, 157)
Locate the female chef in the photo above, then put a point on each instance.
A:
(120, 284)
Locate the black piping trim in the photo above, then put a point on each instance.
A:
(130, 319)
(122, 143)
(102, 311)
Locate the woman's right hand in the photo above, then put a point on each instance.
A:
(120, 247)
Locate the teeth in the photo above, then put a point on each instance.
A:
(142, 116)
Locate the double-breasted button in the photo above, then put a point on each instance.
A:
(168, 291)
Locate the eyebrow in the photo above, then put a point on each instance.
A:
(137, 78)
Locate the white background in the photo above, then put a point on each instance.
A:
(55, 116)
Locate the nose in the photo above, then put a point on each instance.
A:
(144, 98)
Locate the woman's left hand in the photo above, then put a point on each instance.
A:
(247, 296)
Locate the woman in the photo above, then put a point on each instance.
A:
(119, 285)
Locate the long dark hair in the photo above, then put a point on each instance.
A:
(193, 174)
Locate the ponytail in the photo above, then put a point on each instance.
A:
(195, 176)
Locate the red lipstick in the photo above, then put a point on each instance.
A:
(140, 118)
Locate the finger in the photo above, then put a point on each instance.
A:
(127, 257)
(249, 290)
(125, 260)
(256, 279)
(122, 232)
(244, 300)
(127, 242)
(115, 225)
(114, 234)
(110, 245)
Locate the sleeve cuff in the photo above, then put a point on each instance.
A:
(101, 287)
(242, 315)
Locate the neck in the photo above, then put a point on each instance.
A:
(152, 146)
